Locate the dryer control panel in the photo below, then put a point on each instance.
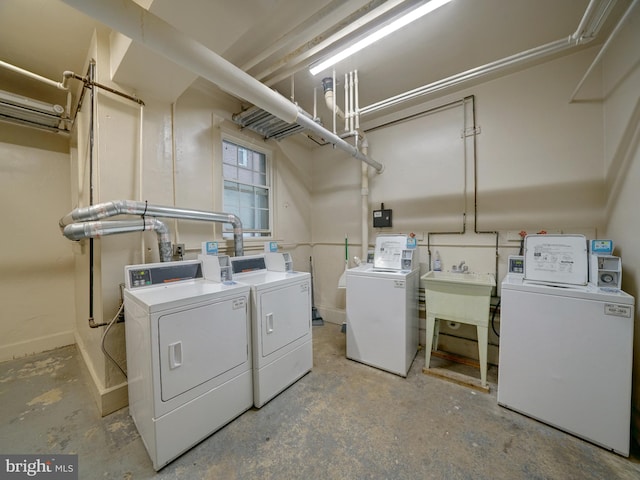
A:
(149, 274)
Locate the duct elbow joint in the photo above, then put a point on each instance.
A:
(327, 84)
(66, 76)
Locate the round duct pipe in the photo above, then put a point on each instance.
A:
(130, 207)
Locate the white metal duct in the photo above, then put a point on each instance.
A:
(27, 111)
(142, 26)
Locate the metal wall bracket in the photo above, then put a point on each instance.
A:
(469, 132)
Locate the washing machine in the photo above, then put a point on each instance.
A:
(566, 346)
(280, 321)
(189, 362)
(382, 307)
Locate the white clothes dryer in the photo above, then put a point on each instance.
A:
(281, 324)
(188, 355)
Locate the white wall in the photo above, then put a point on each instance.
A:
(621, 95)
(539, 166)
(36, 264)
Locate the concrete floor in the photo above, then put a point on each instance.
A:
(342, 421)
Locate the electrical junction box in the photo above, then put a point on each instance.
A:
(381, 218)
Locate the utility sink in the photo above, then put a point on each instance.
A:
(433, 278)
(458, 297)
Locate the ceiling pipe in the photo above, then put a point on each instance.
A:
(591, 22)
(151, 31)
(604, 48)
(130, 207)
(78, 231)
(60, 85)
(329, 96)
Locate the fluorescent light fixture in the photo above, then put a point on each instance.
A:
(378, 34)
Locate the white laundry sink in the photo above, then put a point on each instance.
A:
(479, 279)
(458, 297)
(462, 297)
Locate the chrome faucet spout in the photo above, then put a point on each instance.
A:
(460, 268)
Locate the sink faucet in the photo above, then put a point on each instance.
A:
(460, 268)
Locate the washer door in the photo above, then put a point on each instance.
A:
(201, 343)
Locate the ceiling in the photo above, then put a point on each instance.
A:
(270, 39)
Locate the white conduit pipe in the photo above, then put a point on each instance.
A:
(351, 103)
(346, 102)
(603, 49)
(335, 107)
(357, 107)
(471, 74)
(141, 173)
(130, 207)
(78, 231)
(142, 26)
(364, 199)
(60, 85)
(578, 34)
(577, 38)
(328, 85)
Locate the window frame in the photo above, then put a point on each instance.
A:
(249, 234)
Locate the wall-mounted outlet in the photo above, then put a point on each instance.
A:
(178, 251)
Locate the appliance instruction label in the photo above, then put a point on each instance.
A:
(617, 310)
(389, 253)
(554, 257)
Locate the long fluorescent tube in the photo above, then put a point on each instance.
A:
(378, 34)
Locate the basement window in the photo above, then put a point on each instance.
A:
(247, 191)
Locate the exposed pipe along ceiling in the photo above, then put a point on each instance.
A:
(142, 26)
(42, 115)
(163, 38)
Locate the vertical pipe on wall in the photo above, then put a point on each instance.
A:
(346, 103)
(140, 175)
(475, 184)
(356, 106)
(174, 168)
(92, 71)
(364, 199)
(351, 102)
(333, 110)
